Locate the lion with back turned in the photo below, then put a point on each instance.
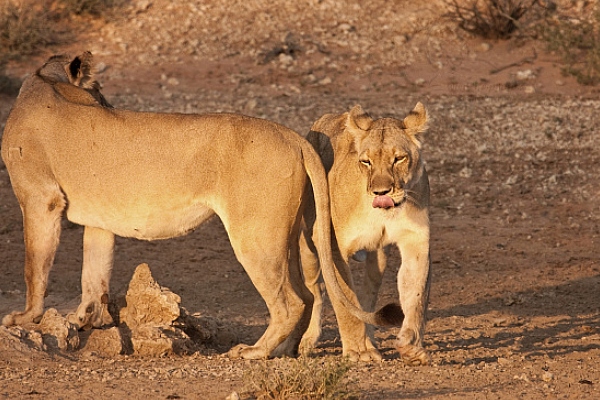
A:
(156, 176)
(379, 195)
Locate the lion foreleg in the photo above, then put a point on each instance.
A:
(413, 287)
(98, 246)
(374, 268)
(356, 343)
(375, 264)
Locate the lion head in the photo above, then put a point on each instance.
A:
(388, 153)
(68, 76)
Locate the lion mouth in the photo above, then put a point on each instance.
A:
(383, 201)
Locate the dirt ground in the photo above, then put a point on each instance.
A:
(512, 153)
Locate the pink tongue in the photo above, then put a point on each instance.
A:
(383, 202)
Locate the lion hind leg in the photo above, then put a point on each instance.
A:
(98, 246)
(290, 346)
(41, 226)
(273, 270)
(314, 282)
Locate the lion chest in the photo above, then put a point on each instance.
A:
(366, 228)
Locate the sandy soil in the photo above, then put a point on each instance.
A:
(512, 155)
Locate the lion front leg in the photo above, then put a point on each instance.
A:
(413, 287)
(98, 246)
(375, 264)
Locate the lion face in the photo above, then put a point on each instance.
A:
(387, 154)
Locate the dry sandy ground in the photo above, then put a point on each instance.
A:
(512, 157)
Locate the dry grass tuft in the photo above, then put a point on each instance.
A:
(490, 19)
(26, 26)
(301, 378)
(577, 41)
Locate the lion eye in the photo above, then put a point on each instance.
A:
(400, 159)
(366, 162)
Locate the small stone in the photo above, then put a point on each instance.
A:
(250, 105)
(345, 27)
(466, 172)
(547, 376)
(503, 361)
(285, 59)
(105, 342)
(400, 39)
(57, 332)
(100, 67)
(525, 74)
(233, 396)
(484, 47)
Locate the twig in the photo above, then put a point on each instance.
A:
(526, 60)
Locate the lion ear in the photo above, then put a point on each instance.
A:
(416, 121)
(358, 119)
(80, 70)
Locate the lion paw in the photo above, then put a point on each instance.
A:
(307, 345)
(20, 318)
(364, 356)
(246, 352)
(92, 315)
(414, 355)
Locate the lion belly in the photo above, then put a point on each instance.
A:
(148, 222)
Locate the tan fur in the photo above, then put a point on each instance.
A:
(365, 158)
(157, 176)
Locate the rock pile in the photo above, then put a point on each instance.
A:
(149, 322)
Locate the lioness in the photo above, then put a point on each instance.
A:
(156, 176)
(379, 195)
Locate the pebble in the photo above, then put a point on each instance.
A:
(547, 376)
(503, 361)
(525, 74)
(484, 47)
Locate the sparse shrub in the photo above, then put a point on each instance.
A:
(8, 85)
(490, 19)
(26, 26)
(303, 378)
(96, 8)
(577, 41)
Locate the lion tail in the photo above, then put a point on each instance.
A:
(389, 315)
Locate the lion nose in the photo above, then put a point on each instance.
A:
(381, 192)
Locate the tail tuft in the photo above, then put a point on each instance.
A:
(389, 315)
